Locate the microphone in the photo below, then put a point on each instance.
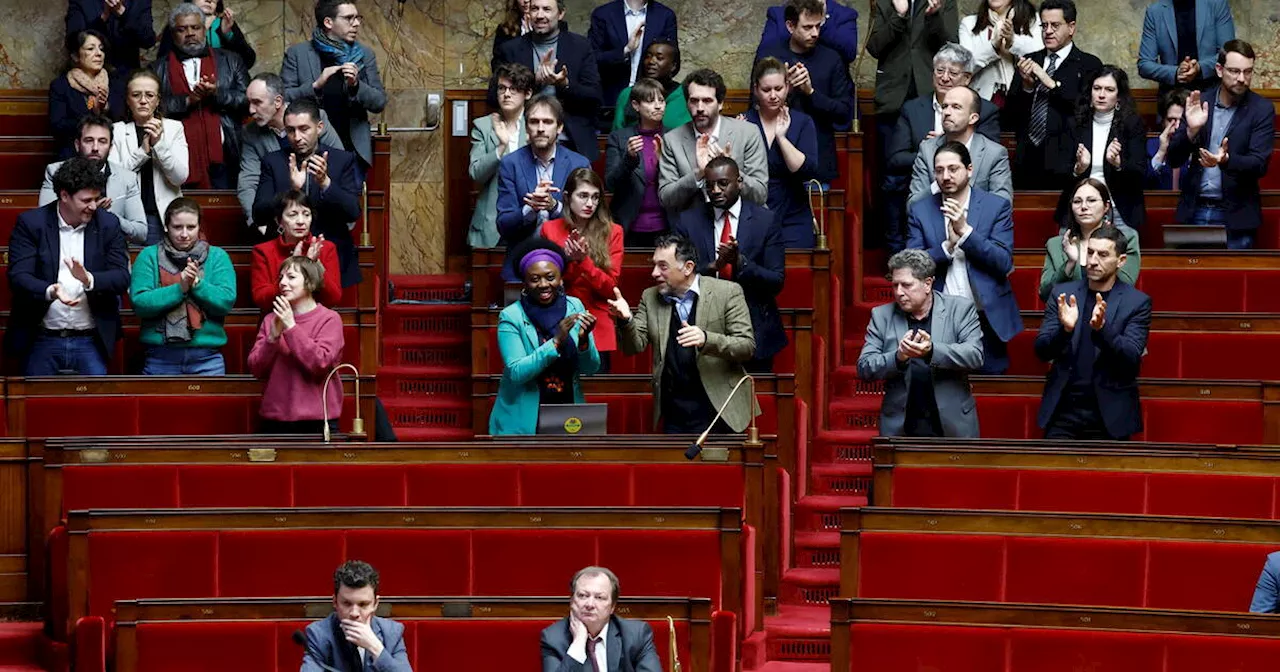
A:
(301, 640)
(753, 434)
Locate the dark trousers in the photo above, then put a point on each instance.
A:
(267, 426)
(995, 352)
(892, 196)
(1077, 417)
(763, 365)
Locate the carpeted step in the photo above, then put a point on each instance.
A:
(18, 645)
(798, 634)
(789, 666)
(811, 586)
(843, 446)
(845, 383)
(817, 550)
(431, 288)
(814, 513)
(846, 479)
(448, 350)
(449, 382)
(450, 319)
(854, 413)
(449, 417)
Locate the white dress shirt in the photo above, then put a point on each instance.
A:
(634, 17)
(937, 116)
(734, 211)
(579, 652)
(60, 315)
(191, 68)
(958, 270)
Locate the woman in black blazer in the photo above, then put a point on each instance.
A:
(1111, 144)
(89, 85)
(631, 167)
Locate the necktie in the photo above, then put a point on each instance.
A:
(1040, 106)
(726, 233)
(591, 654)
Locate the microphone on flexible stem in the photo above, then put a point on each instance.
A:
(753, 434)
(301, 640)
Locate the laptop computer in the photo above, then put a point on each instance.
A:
(573, 419)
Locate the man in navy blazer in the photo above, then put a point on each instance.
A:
(564, 66)
(839, 29)
(68, 268)
(1230, 130)
(1095, 333)
(352, 638)
(127, 25)
(969, 234)
(592, 631)
(1180, 42)
(750, 253)
(620, 32)
(327, 175)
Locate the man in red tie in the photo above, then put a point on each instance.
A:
(591, 638)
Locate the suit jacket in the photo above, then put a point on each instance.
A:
(1125, 182)
(332, 210)
(581, 97)
(830, 106)
(988, 251)
(235, 42)
(760, 270)
(1266, 595)
(169, 159)
(991, 172)
(1120, 345)
(326, 644)
(1051, 167)
(517, 176)
(229, 101)
(302, 66)
(904, 47)
(677, 186)
(839, 31)
(128, 34)
(1250, 141)
(916, 123)
(609, 37)
(483, 170)
(723, 315)
(67, 106)
(1055, 272)
(1158, 50)
(124, 190)
(259, 141)
(624, 177)
(957, 350)
(1161, 178)
(634, 638)
(34, 260)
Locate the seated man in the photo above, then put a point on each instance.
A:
(590, 636)
(68, 268)
(960, 116)
(700, 331)
(742, 242)
(351, 638)
(1092, 390)
(123, 195)
(327, 175)
(661, 62)
(924, 345)
(1266, 595)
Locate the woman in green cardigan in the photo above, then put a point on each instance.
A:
(182, 289)
(1065, 257)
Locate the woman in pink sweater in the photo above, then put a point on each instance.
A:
(299, 343)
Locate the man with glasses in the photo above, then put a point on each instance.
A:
(340, 74)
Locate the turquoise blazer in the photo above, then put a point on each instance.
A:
(516, 409)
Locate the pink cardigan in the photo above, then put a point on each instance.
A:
(294, 366)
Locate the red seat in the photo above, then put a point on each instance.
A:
(1080, 491)
(244, 646)
(1045, 650)
(914, 648)
(923, 566)
(955, 488)
(1060, 570)
(1179, 290)
(1183, 421)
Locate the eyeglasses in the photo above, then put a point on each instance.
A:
(1237, 72)
(946, 72)
(507, 89)
(351, 18)
(1086, 201)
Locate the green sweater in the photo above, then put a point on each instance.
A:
(677, 113)
(215, 294)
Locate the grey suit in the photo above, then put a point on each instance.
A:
(677, 186)
(957, 350)
(991, 171)
(483, 170)
(302, 67)
(327, 645)
(257, 142)
(125, 191)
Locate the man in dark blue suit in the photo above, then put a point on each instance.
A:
(743, 242)
(969, 234)
(126, 23)
(621, 31)
(326, 174)
(352, 638)
(564, 66)
(839, 29)
(68, 268)
(1230, 130)
(1094, 332)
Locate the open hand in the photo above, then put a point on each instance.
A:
(65, 296)
(565, 326)
(1196, 113)
(636, 38)
(297, 172)
(1068, 312)
(690, 336)
(79, 272)
(1071, 247)
(1210, 159)
(932, 7)
(318, 167)
(1113, 152)
(635, 145)
(189, 276)
(618, 306)
(1084, 159)
(1099, 317)
(284, 313)
(228, 21)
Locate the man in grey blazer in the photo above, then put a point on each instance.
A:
(924, 345)
(961, 108)
(353, 638)
(592, 631)
(123, 197)
(687, 149)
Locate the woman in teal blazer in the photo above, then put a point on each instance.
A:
(545, 339)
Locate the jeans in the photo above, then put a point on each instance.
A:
(1213, 214)
(76, 355)
(172, 360)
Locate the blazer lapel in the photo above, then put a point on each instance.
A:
(939, 321)
(1241, 110)
(1171, 24)
(618, 9)
(91, 235)
(663, 312)
(613, 649)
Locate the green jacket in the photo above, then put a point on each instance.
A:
(1055, 263)
(215, 294)
(677, 113)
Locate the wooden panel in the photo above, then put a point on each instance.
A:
(13, 499)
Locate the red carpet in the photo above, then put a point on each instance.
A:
(18, 646)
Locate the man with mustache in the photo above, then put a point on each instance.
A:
(123, 194)
(661, 62)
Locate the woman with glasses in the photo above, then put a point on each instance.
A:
(1066, 254)
(153, 147)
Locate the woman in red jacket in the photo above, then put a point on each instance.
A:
(593, 245)
(293, 221)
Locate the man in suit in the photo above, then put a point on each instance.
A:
(352, 638)
(1180, 42)
(923, 345)
(565, 67)
(960, 116)
(969, 234)
(1266, 595)
(127, 25)
(905, 35)
(68, 268)
(741, 241)
(621, 31)
(265, 133)
(123, 195)
(700, 333)
(838, 30)
(1231, 131)
(340, 73)
(1042, 110)
(1094, 333)
(326, 174)
(591, 638)
(687, 150)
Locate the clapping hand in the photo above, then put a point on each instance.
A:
(586, 322)
(110, 6)
(932, 7)
(1113, 152)
(152, 129)
(902, 7)
(914, 343)
(297, 172)
(798, 78)
(1004, 38)
(706, 149)
(65, 296)
(1071, 247)
(1210, 159)
(1188, 70)
(635, 145)
(105, 202)
(1068, 312)
(318, 167)
(325, 74)
(190, 275)
(727, 254)
(953, 212)
(228, 21)
(690, 336)
(1099, 317)
(1197, 113)
(636, 38)
(284, 316)
(351, 74)
(1084, 159)
(546, 68)
(618, 307)
(206, 86)
(576, 247)
(312, 250)
(541, 198)
(565, 326)
(79, 272)
(783, 122)
(501, 130)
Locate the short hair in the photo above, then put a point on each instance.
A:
(792, 11)
(765, 67)
(285, 199)
(955, 147)
(1113, 234)
(77, 174)
(647, 89)
(706, 77)
(352, 573)
(722, 160)
(952, 52)
(519, 74)
(312, 278)
(595, 571)
(675, 51)
(918, 262)
(1068, 8)
(184, 9)
(328, 9)
(307, 106)
(273, 82)
(1235, 47)
(685, 251)
(95, 119)
(551, 102)
(1170, 98)
(180, 205)
(975, 99)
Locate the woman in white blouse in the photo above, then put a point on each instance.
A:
(153, 147)
(998, 35)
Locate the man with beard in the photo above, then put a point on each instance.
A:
(123, 195)
(326, 174)
(662, 63)
(969, 235)
(204, 88)
(960, 120)
(700, 332)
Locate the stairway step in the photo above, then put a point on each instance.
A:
(817, 550)
(445, 319)
(453, 287)
(849, 479)
(799, 633)
(845, 384)
(429, 413)
(849, 446)
(822, 512)
(791, 666)
(427, 350)
(854, 413)
(812, 586)
(425, 381)
(18, 644)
